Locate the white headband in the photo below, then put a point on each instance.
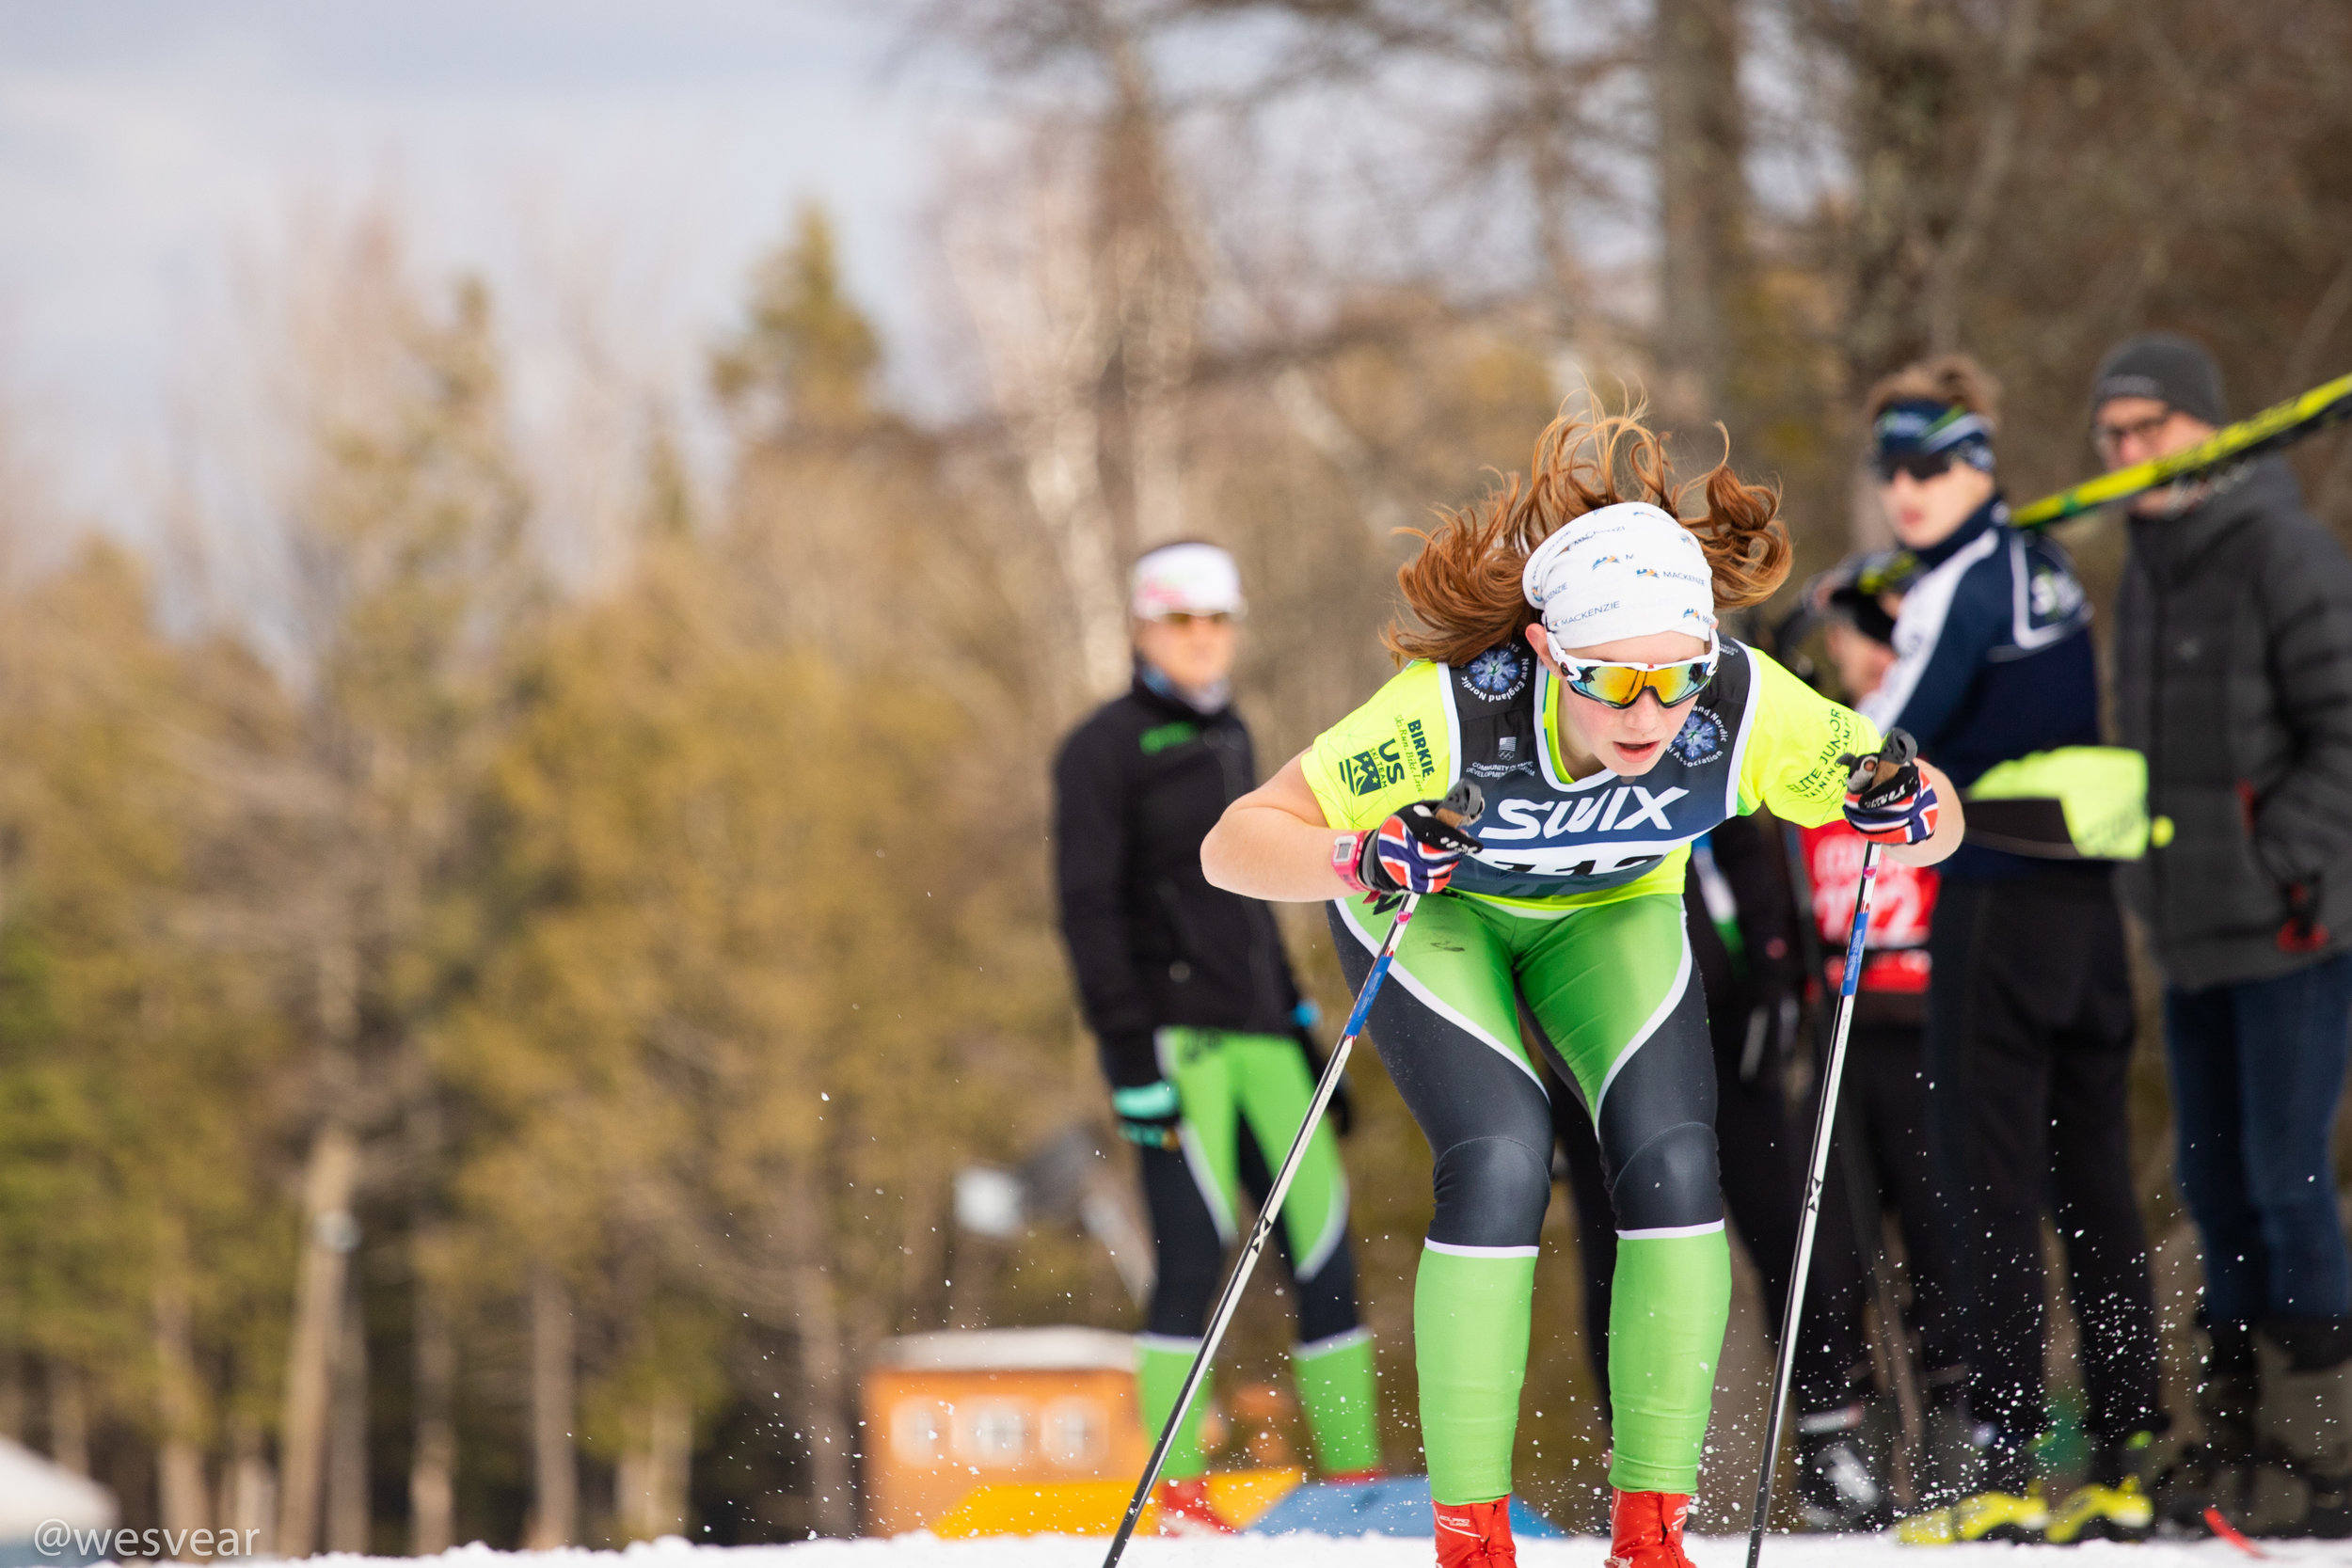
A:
(1184, 579)
(1626, 570)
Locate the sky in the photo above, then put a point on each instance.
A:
(614, 168)
(155, 153)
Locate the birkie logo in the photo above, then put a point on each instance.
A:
(1418, 738)
(1498, 674)
(1699, 740)
(1368, 772)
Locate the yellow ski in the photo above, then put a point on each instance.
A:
(2267, 430)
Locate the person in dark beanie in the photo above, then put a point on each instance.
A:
(2030, 1019)
(2234, 674)
(1202, 1033)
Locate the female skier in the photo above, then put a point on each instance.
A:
(1634, 727)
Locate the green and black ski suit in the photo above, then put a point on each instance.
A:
(1573, 906)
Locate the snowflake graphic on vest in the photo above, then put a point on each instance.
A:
(1497, 674)
(1700, 739)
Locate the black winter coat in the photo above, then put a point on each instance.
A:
(1137, 787)
(2234, 675)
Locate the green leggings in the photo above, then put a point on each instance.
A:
(1623, 1020)
(1243, 1098)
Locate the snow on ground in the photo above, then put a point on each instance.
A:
(1306, 1551)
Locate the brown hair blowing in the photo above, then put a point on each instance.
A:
(1463, 588)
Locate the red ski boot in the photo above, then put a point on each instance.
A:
(1476, 1535)
(1645, 1529)
(1185, 1509)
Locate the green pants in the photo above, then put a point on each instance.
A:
(1623, 1020)
(1244, 1096)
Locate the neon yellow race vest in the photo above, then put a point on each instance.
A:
(1756, 735)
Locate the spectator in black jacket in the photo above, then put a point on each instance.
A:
(1202, 1030)
(2234, 670)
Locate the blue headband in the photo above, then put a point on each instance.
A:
(1924, 426)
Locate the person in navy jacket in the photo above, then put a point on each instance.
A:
(2031, 1013)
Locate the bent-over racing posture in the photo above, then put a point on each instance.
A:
(1607, 735)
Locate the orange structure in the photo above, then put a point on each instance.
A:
(947, 1413)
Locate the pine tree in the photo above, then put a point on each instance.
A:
(406, 535)
(804, 363)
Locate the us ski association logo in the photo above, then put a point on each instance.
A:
(1498, 674)
(1374, 770)
(1699, 740)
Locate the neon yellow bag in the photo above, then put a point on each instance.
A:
(2101, 792)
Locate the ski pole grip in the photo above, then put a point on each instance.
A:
(1462, 804)
(1898, 751)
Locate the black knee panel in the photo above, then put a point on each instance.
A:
(1190, 1253)
(1327, 1301)
(1491, 1192)
(1670, 1180)
(1658, 1126)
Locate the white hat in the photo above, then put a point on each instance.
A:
(1627, 570)
(1184, 579)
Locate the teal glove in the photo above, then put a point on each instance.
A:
(1148, 1113)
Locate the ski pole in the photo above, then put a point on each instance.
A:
(1463, 803)
(1860, 1207)
(1816, 1176)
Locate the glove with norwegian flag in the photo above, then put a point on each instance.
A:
(1413, 851)
(1887, 798)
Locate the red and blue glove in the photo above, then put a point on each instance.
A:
(1414, 851)
(1887, 798)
